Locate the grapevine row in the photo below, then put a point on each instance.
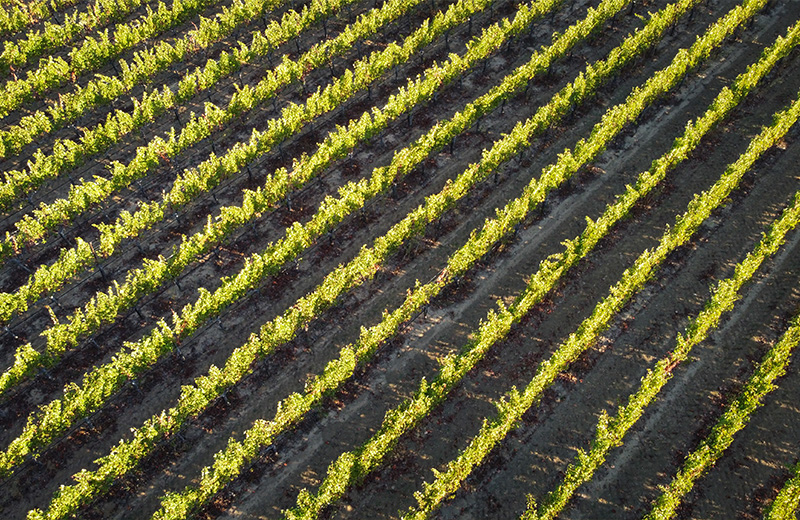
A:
(54, 72)
(226, 225)
(735, 418)
(515, 403)
(291, 410)
(103, 381)
(36, 225)
(208, 174)
(146, 63)
(355, 465)
(787, 503)
(207, 388)
(16, 17)
(54, 35)
(355, 195)
(611, 431)
(106, 306)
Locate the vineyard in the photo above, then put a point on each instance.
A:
(456, 259)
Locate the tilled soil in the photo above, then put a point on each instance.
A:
(533, 459)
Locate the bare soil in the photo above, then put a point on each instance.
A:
(532, 460)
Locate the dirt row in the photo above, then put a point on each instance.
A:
(55, 188)
(440, 437)
(534, 459)
(542, 447)
(81, 80)
(162, 239)
(208, 275)
(46, 389)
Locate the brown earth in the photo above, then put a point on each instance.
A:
(533, 458)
